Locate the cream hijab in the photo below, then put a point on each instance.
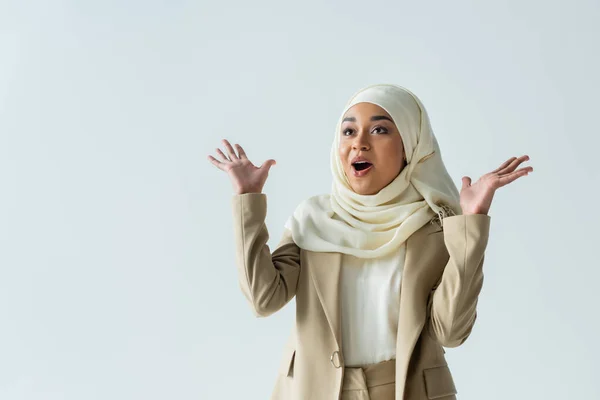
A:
(371, 226)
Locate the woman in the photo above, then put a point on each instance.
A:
(386, 269)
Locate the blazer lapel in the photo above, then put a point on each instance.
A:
(325, 272)
(411, 318)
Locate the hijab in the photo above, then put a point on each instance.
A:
(375, 225)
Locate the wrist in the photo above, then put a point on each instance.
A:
(245, 191)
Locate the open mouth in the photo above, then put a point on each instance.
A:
(361, 168)
(361, 165)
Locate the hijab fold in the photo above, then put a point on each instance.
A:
(371, 226)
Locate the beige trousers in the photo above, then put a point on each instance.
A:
(370, 382)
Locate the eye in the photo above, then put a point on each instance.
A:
(380, 127)
(383, 130)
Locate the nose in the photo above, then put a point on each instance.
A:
(361, 142)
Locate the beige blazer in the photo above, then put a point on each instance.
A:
(440, 284)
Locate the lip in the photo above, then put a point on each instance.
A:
(360, 158)
(359, 174)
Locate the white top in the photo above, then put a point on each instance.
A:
(370, 301)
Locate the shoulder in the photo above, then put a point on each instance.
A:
(429, 238)
(433, 226)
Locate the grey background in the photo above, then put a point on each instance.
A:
(117, 274)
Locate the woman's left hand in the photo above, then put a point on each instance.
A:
(477, 198)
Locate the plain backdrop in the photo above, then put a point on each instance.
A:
(117, 269)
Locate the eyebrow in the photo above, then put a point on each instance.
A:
(373, 118)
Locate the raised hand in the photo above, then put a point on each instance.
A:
(477, 198)
(245, 177)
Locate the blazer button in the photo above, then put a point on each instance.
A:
(335, 359)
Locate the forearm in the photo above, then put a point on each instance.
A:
(452, 305)
(267, 280)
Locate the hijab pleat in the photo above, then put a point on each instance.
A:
(371, 226)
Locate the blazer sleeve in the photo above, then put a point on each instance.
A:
(268, 280)
(452, 304)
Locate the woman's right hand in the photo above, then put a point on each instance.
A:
(245, 176)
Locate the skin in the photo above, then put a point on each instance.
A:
(477, 198)
(362, 137)
(367, 130)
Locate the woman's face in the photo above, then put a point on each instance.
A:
(368, 131)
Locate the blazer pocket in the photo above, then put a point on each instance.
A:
(287, 363)
(439, 382)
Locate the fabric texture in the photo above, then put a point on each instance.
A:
(441, 283)
(371, 226)
(370, 382)
(370, 304)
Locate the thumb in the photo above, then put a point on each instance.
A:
(268, 164)
(466, 182)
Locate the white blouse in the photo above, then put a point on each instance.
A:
(370, 301)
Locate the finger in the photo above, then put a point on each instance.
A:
(508, 178)
(466, 182)
(513, 165)
(241, 151)
(230, 150)
(223, 156)
(504, 165)
(216, 162)
(268, 164)
(510, 167)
